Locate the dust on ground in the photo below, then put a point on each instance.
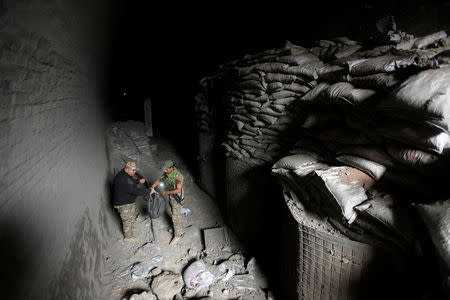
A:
(151, 268)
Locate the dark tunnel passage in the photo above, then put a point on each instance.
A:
(71, 69)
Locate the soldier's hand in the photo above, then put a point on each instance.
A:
(142, 180)
(152, 191)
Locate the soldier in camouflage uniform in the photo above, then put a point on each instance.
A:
(125, 191)
(173, 177)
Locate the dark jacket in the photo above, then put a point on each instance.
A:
(126, 189)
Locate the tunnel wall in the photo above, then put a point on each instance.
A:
(53, 224)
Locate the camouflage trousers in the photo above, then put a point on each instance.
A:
(176, 216)
(127, 215)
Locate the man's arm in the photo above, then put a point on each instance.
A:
(136, 190)
(154, 185)
(178, 189)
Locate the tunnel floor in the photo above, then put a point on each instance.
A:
(127, 141)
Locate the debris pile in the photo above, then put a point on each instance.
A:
(214, 273)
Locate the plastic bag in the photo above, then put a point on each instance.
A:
(243, 282)
(141, 270)
(185, 211)
(156, 206)
(197, 277)
(148, 250)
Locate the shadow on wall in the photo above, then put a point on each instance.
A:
(16, 254)
(83, 269)
(254, 206)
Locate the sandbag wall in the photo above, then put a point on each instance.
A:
(363, 124)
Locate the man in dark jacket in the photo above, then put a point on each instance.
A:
(125, 191)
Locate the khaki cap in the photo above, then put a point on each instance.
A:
(167, 164)
(131, 165)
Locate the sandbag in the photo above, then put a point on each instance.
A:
(306, 160)
(274, 147)
(284, 101)
(346, 51)
(326, 43)
(346, 92)
(268, 111)
(277, 107)
(231, 151)
(272, 67)
(425, 95)
(410, 156)
(239, 124)
(253, 91)
(249, 149)
(250, 103)
(283, 78)
(263, 155)
(421, 137)
(251, 128)
(254, 144)
(253, 84)
(265, 53)
(253, 110)
(371, 152)
(389, 212)
(373, 169)
(324, 53)
(344, 40)
(436, 217)
(257, 98)
(425, 41)
(282, 94)
(274, 87)
(240, 117)
(380, 64)
(332, 73)
(305, 71)
(383, 81)
(254, 76)
(313, 94)
(346, 188)
(235, 146)
(295, 49)
(258, 124)
(298, 59)
(245, 153)
(286, 119)
(269, 131)
(296, 88)
(267, 118)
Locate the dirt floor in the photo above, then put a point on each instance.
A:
(151, 268)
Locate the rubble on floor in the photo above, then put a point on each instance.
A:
(208, 263)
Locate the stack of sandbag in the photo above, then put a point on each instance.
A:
(375, 140)
(259, 94)
(346, 199)
(338, 92)
(203, 109)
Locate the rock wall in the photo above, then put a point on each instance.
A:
(53, 224)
